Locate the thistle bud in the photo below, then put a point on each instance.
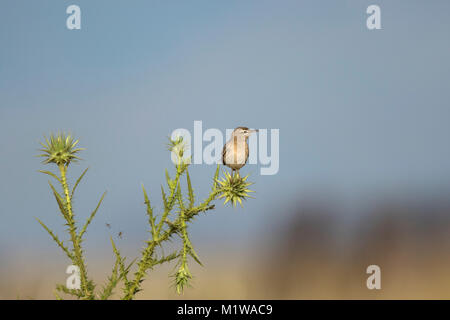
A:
(60, 149)
(234, 188)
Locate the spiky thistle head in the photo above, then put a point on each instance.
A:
(177, 148)
(182, 278)
(60, 149)
(234, 188)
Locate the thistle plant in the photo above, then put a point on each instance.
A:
(179, 211)
(234, 188)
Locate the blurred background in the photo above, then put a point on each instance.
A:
(364, 121)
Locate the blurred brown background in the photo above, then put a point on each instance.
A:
(312, 256)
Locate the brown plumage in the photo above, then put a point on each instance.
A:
(235, 152)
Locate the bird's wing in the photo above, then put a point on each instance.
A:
(224, 151)
(246, 152)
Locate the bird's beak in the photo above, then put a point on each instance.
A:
(255, 130)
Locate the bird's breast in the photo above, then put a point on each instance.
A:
(236, 154)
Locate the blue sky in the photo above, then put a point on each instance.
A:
(360, 113)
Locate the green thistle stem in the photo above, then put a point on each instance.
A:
(148, 252)
(143, 266)
(170, 204)
(78, 257)
(183, 275)
(63, 170)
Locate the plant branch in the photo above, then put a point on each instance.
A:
(78, 257)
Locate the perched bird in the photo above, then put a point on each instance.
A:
(235, 151)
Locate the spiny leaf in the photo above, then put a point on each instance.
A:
(59, 200)
(124, 273)
(77, 182)
(190, 190)
(164, 198)
(167, 177)
(51, 174)
(193, 254)
(57, 296)
(180, 197)
(151, 218)
(114, 278)
(73, 292)
(216, 176)
(88, 221)
(168, 258)
(56, 239)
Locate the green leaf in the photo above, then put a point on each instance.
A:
(193, 254)
(60, 201)
(190, 190)
(168, 258)
(167, 177)
(151, 218)
(180, 197)
(57, 296)
(73, 292)
(216, 176)
(77, 182)
(88, 221)
(56, 239)
(51, 174)
(164, 197)
(114, 279)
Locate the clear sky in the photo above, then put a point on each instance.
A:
(360, 112)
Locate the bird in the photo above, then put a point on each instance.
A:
(235, 151)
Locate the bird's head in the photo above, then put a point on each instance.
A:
(243, 132)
